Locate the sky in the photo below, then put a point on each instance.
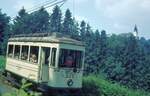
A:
(114, 16)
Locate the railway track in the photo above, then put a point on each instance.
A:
(9, 84)
(5, 86)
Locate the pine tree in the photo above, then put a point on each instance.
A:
(25, 23)
(4, 31)
(89, 53)
(20, 23)
(68, 23)
(75, 30)
(103, 48)
(55, 20)
(39, 21)
(97, 42)
(131, 58)
(82, 30)
(97, 45)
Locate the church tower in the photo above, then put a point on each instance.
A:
(135, 33)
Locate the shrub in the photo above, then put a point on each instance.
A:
(2, 62)
(98, 86)
(21, 91)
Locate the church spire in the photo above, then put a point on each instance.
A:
(135, 28)
(135, 33)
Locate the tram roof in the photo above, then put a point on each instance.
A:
(45, 37)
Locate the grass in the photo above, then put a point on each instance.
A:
(101, 87)
(2, 62)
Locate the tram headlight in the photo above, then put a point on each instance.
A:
(70, 82)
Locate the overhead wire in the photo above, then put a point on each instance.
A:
(41, 5)
(45, 5)
(55, 4)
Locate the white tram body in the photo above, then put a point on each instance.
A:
(43, 59)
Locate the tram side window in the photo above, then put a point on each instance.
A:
(24, 54)
(79, 58)
(47, 55)
(10, 51)
(17, 51)
(70, 58)
(53, 57)
(34, 52)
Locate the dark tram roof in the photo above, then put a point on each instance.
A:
(45, 37)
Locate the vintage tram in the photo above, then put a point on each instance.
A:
(51, 59)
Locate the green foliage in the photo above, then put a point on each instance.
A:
(67, 23)
(4, 31)
(39, 21)
(21, 92)
(25, 23)
(55, 20)
(101, 87)
(82, 30)
(20, 23)
(125, 62)
(2, 62)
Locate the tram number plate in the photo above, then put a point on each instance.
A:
(69, 75)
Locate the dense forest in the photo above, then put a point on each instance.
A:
(120, 58)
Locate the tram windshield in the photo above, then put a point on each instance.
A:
(70, 58)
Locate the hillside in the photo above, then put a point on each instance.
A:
(98, 86)
(2, 62)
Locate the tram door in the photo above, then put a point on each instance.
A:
(45, 54)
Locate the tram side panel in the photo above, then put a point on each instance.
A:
(23, 69)
(65, 78)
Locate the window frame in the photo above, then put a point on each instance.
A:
(29, 54)
(55, 59)
(78, 64)
(8, 48)
(29, 50)
(22, 52)
(19, 46)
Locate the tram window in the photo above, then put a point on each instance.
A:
(24, 54)
(34, 51)
(10, 51)
(17, 52)
(45, 55)
(53, 57)
(70, 58)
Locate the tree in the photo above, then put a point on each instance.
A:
(68, 23)
(82, 30)
(55, 20)
(103, 48)
(20, 23)
(39, 21)
(97, 45)
(4, 31)
(103, 43)
(25, 23)
(75, 30)
(89, 53)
